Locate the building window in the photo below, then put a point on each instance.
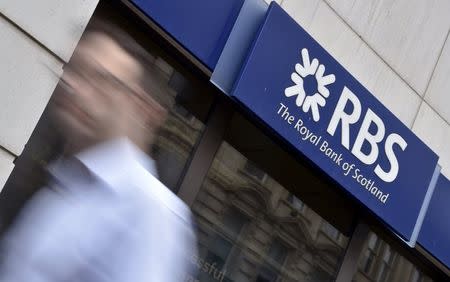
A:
(416, 276)
(385, 267)
(220, 248)
(228, 212)
(234, 221)
(318, 274)
(381, 263)
(296, 203)
(254, 171)
(277, 253)
(218, 251)
(370, 253)
(267, 274)
(187, 116)
(331, 232)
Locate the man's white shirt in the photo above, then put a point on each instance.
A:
(104, 218)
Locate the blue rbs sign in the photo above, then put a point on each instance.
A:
(200, 26)
(297, 88)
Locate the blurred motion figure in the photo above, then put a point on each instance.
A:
(104, 216)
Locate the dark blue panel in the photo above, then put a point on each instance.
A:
(272, 77)
(201, 26)
(250, 18)
(435, 233)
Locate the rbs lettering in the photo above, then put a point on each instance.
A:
(371, 120)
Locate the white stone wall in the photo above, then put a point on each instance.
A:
(398, 49)
(37, 39)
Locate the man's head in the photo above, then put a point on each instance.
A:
(100, 95)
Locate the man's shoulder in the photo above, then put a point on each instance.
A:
(153, 188)
(120, 164)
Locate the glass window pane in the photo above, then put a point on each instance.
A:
(330, 230)
(220, 246)
(382, 263)
(277, 252)
(416, 276)
(270, 242)
(382, 273)
(387, 254)
(266, 275)
(367, 261)
(296, 203)
(177, 137)
(254, 171)
(234, 221)
(373, 239)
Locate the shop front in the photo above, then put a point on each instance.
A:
(294, 171)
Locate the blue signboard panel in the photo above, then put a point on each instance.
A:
(228, 67)
(435, 233)
(201, 26)
(297, 88)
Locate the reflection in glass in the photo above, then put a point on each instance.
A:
(369, 255)
(177, 137)
(382, 264)
(330, 231)
(296, 203)
(250, 228)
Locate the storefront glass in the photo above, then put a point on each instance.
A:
(250, 228)
(178, 136)
(379, 262)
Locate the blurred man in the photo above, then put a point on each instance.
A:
(105, 216)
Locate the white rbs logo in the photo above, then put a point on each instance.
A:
(347, 120)
(316, 97)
